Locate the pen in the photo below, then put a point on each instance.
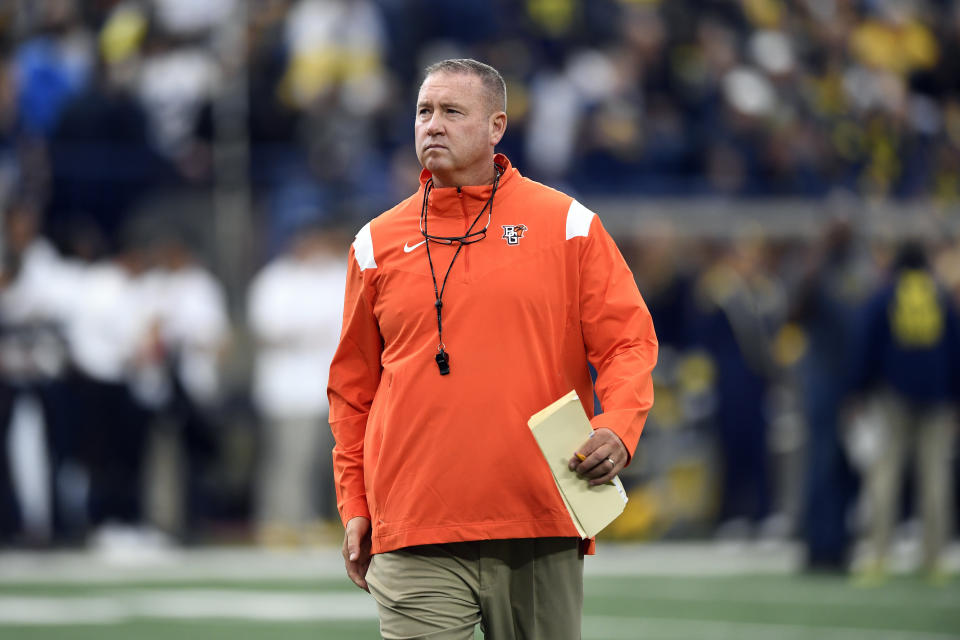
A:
(580, 455)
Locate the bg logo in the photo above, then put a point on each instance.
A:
(513, 232)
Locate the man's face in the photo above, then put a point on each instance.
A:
(456, 129)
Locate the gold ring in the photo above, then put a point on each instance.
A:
(612, 463)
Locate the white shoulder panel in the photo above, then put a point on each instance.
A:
(363, 249)
(578, 220)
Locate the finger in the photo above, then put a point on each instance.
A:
(576, 460)
(605, 478)
(587, 465)
(352, 546)
(581, 460)
(599, 465)
(357, 572)
(605, 471)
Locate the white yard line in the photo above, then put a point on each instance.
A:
(251, 563)
(835, 595)
(631, 628)
(59, 611)
(253, 605)
(184, 604)
(170, 565)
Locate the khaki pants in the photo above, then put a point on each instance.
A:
(928, 433)
(295, 473)
(522, 589)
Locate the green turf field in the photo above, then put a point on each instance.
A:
(236, 604)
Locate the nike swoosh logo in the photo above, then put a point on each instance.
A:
(407, 248)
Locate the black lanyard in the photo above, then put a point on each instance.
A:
(442, 357)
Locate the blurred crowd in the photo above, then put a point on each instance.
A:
(122, 342)
(802, 387)
(104, 100)
(118, 367)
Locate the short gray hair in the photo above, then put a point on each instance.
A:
(491, 79)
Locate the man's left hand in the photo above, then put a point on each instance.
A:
(604, 455)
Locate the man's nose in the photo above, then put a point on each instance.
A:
(434, 126)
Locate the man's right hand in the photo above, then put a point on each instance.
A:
(356, 550)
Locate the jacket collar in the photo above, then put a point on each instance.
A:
(454, 201)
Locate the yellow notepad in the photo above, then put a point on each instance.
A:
(560, 429)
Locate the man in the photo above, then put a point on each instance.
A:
(907, 355)
(469, 306)
(296, 328)
(826, 307)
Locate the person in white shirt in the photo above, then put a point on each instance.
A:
(33, 364)
(193, 329)
(295, 307)
(111, 332)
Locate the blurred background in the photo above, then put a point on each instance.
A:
(180, 181)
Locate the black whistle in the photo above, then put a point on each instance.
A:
(443, 363)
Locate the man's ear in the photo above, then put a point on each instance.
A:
(498, 125)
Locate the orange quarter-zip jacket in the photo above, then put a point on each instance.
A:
(434, 459)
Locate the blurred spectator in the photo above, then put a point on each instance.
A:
(295, 310)
(193, 330)
(9, 166)
(194, 326)
(11, 520)
(336, 52)
(555, 110)
(736, 307)
(333, 85)
(174, 83)
(909, 352)
(33, 357)
(188, 18)
(115, 349)
(947, 266)
(825, 308)
(10, 512)
(53, 64)
(100, 158)
(664, 276)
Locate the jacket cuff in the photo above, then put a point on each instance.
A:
(354, 508)
(627, 427)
